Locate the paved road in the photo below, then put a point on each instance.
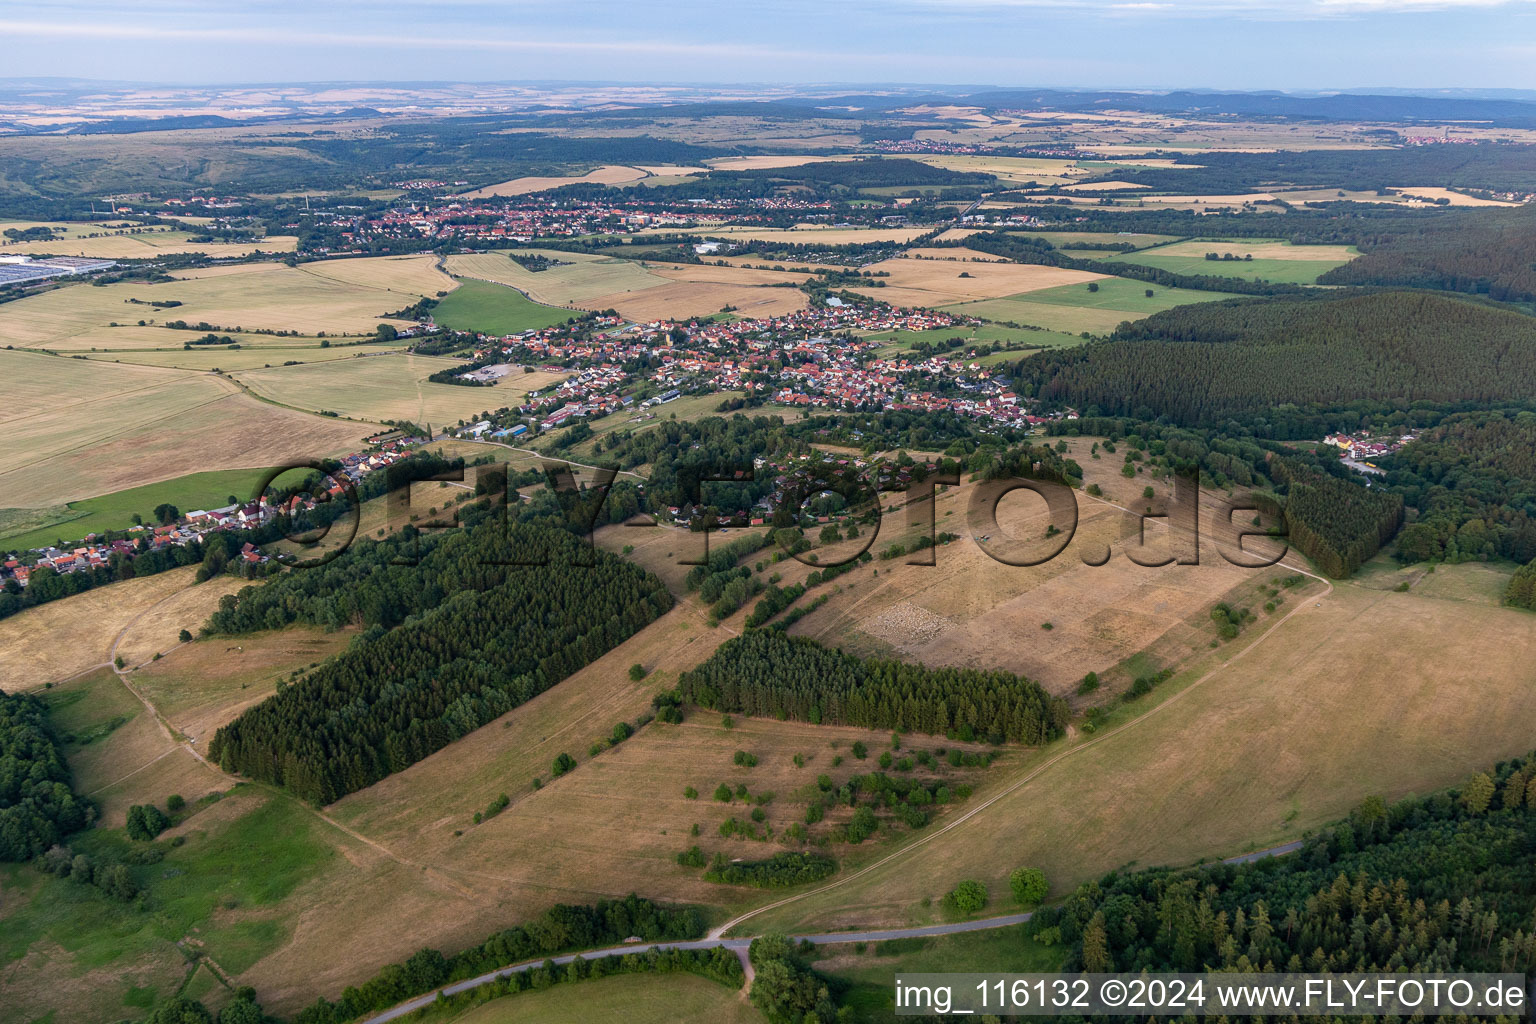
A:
(740, 945)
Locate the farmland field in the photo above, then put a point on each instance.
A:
(102, 241)
(581, 278)
(609, 174)
(335, 296)
(385, 387)
(85, 428)
(701, 290)
(989, 334)
(495, 309)
(808, 234)
(1279, 262)
(939, 282)
(1073, 308)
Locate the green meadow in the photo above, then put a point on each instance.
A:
(495, 309)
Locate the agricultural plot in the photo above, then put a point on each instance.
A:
(987, 334)
(496, 309)
(1074, 308)
(83, 428)
(944, 282)
(608, 174)
(1279, 262)
(1012, 169)
(334, 296)
(386, 387)
(102, 241)
(1073, 239)
(246, 357)
(702, 290)
(809, 234)
(580, 277)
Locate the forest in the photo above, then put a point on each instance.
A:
(38, 806)
(1486, 166)
(1210, 362)
(1335, 522)
(770, 674)
(1482, 252)
(449, 643)
(1471, 480)
(1438, 883)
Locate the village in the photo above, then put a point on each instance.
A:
(96, 552)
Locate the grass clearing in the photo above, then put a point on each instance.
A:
(939, 282)
(61, 638)
(1348, 676)
(608, 174)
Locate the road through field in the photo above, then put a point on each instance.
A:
(741, 945)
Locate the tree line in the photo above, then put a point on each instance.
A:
(768, 673)
(38, 805)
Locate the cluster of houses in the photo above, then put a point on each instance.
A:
(94, 552)
(1358, 449)
(822, 357)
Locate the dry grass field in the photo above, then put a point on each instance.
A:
(1262, 249)
(82, 428)
(63, 638)
(247, 357)
(1348, 697)
(808, 234)
(582, 278)
(1452, 196)
(334, 296)
(937, 282)
(700, 290)
(758, 163)
(1011, 169)
(1072, 308)
(391, 386)
(608, 174)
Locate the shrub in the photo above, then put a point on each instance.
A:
(969, 897)
(1029, 886)
(562, 764)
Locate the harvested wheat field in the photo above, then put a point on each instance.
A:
(1261, 249)
(608, 174)
(578, 279)
(758, 163)
(83, 428)
(1451, 196)
(334, 296)
(701, 290)
(390, 386)
(147, 243)
(812, 235)
(938, 282)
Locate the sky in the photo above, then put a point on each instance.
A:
(1155, 44)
